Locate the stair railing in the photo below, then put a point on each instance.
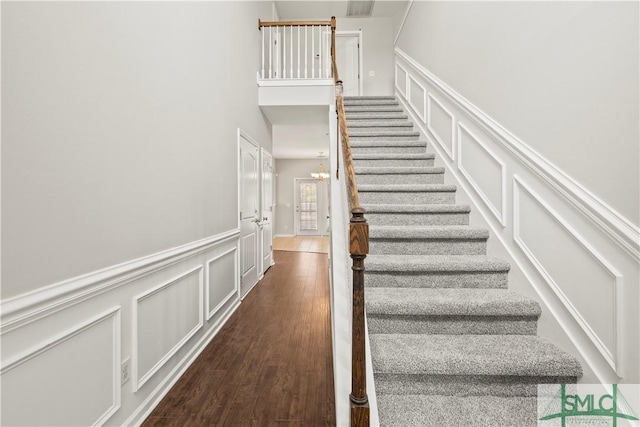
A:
(358, 250)
(296, 49)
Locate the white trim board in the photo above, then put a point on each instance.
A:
(614, 224)
(34, 305)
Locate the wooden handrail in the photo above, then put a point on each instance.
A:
(358, 250)
(294, 23)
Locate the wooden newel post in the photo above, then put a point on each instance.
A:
(359, 248)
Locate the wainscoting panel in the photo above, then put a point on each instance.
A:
(61, 363)
(418, 98)
(441, 123)
(484, 170)
(591, 292)
(165, 318)
(43, 386)
(567, 249)
(401, 80)
(221, 280)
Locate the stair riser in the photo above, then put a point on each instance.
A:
(477, 280)
(377, 163)
(390, 149)
(386, 137)
(506, 386)
(370, 102)
(407, 198)
(381, 127)
(376, 115)
(399, 122)
(468, 325)
(427, 246)
(418, 218)
(426, 178)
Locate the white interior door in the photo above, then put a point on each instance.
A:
(348, 62)
(249, 214)
(267, 210)
(309, 209)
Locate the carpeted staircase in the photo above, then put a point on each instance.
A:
(451, 346)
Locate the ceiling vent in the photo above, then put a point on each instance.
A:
(359, 8)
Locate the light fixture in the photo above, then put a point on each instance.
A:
(321, 175)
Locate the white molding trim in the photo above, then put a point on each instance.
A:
(404, 18)
(498, 212)
(139, 381)
(145, 408)
(293, 82)
(612, 357)
(47, 345)
(34, 305)
(236, 274)
(430, 99)
(422, 116)
(620, 229)
(402, 91)
(284, 235)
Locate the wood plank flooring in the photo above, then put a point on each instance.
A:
(302, 244)
(271, 363)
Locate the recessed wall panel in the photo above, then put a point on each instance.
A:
(418, 98)
(165, 318)
(71, 380)
(440, 123)
(583, 278)
(222, 280)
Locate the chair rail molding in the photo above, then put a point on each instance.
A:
(23, 309)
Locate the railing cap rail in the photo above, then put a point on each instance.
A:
(331, 23)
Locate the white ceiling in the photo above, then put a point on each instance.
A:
(313, 9)
(299, 132)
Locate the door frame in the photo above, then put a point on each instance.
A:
(358, 33)
(246, 137)
(264, 153)
(296, 199)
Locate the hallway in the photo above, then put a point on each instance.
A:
(271, 363)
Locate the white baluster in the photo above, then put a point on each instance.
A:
(305, 52)
(298, 50)
(291, 57)
(284, 52)
(320, 47)
(262, 49)
(313, 53)
(270, 53)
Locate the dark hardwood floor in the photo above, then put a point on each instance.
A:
(271, 363)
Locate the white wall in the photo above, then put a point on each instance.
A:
(119, 124)
(569, 249)
(377, 48)
(119, 196)
(286, 171)
(563, 76)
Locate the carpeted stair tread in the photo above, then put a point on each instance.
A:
(364, 98)
(449, 302)
(383, 143)
(372, 108)
(407, 188)
(381, 133)
(503, 355)
(426, 208)
(379, 124)
(370, 101)
(376, 115)
(409, 232)
(435, 263)
(393, 156)
(397, 170)
(457, 411)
